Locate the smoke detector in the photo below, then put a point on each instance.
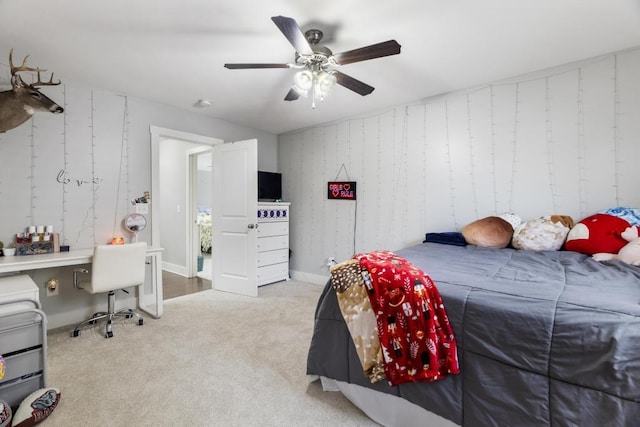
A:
(203, 103)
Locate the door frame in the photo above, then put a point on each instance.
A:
(159, 134)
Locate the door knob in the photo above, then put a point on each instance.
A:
(251, 226)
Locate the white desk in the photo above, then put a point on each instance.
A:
(149, 296)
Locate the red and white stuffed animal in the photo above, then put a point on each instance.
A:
(630, 253)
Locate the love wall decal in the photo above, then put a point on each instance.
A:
(341, 190)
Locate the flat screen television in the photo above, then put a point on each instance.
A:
(269, 186)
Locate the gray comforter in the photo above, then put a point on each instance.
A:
(544, 338)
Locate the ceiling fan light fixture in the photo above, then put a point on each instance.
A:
(325, 82)
(317, 62)
(320, 82)
(303, 81)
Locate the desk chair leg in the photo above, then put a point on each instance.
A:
(90, 321)
(109, 315)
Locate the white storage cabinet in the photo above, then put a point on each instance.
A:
(23, 339)
(273, 242)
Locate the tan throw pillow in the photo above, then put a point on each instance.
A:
(489, 232)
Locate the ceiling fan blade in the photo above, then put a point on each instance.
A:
(292, 95)
(289, 27)
(248, 66)
(378, 50)
(353, 84)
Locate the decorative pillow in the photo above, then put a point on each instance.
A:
(547, 233)
(446, 238)
(628, 214)
(36, 407)
(512, 219)
(5, 414)
(489, 232)
(597, 233)
(630, 254)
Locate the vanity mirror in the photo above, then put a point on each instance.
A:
(135, 223)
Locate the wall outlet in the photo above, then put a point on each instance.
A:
(52, 287)
(52, 293)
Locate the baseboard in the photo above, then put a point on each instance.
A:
(180, 270)
(316, 279)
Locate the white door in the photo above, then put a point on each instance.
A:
(234, 217)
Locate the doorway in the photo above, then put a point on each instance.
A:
(201, 205)
(174, 207)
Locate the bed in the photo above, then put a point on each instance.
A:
(544, 338)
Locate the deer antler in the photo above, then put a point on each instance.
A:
(24, 67)
(41, 83)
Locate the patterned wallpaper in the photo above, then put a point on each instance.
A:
(70, 171)
(563, 141)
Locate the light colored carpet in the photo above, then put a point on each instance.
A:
(213, 359)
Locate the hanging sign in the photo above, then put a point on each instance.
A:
(341, 190)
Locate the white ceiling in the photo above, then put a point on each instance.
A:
(173, 51)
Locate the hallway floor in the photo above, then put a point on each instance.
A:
(174, 285)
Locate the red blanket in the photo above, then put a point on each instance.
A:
(414, 331)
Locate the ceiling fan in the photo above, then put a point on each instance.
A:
(318, 64)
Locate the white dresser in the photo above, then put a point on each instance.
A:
(273, 242)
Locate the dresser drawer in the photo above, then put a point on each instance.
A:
(273, 273)
(272, 243)
(273, 229)
(273, 257)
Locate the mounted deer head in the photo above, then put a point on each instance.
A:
(18, 104)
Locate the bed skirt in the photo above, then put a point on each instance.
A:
(385, 409)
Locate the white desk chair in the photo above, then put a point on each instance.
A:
(113, 267)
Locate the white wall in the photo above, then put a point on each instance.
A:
(102, 146)
(562, 141)
(205, 187)
(173, 184)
